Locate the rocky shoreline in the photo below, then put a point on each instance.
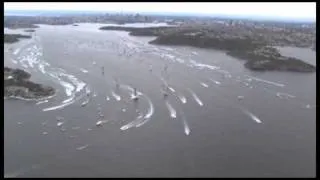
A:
(269, 58)
(17, 84)
(259, 53)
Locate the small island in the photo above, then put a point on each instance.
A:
(255, 48)
(29, 30)
(12, 38)
(18, 85)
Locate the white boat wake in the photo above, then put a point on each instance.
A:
(173, 113)
(132, 123)
(285, 95)
(202, 66)
(252, 116)
(116, 96)
(31, 56)
(171, 89)
(185, 126)
(141, 119)
(196, 98)
(216, 82)
(182, 98)
(41, 102)
(84, 70)
(266, 81)
(204, 84)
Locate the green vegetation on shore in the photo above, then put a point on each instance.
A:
(12, 38)
(17, 84)
(259, 54)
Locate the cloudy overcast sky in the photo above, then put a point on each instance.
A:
(275, 10)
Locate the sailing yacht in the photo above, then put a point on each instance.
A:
(135, 95)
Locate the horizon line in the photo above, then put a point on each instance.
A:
(237, 16)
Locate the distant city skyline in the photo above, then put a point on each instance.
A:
(297, 11)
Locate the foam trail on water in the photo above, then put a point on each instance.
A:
(150, 111)
(173, 113)
(151, 108)
(68, 100)
(252, 116)
(82, 147)
(285, 95)
(164, 81)
(204, 84)
(196, 98)
(142, 122)
(266, 81)
(16, 51)
(41, 102)
(18, 97)
(68, 87)
(24, 65)
(226, 74)
(31, 61)
(48, 97)
(41, 68)
(129, 88)
(71, 85)
(182, 98)
(84, 70)
(116, 96)
(58, 106)
(65, 103)
(201, 66)
(88, 91)
(133, 123)
(169, 56)
(194, 53)
(216, 82)
(184, 123)
(100, 123)
(180, 60)
(85, 102)
(168, 49)
(171, 89)
(79, 84)
(185, 126)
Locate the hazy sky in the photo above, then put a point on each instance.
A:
(281, 10)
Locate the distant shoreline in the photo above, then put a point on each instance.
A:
(259, 55)
(251, 41)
